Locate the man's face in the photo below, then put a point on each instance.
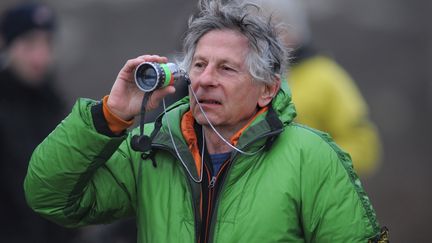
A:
(31, 56)
(221, 81)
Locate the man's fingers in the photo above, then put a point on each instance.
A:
(153, 58)
(158, 95)
(131, 64)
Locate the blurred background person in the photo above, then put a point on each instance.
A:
(30, 108)
(325, 96)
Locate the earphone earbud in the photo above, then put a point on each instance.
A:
(188, 81)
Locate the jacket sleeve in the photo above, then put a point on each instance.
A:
(335, 207)
(78, 176)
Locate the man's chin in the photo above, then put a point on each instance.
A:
(200, 119)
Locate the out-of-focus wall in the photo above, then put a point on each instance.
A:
(385, 45)
(97, 37)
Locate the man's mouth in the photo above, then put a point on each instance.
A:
(209, 101)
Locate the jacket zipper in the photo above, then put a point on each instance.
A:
(222, 182)
(209, 203)
(213, 202)
(197, 220)
(212, 180)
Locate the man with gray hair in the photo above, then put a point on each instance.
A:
(226, 164)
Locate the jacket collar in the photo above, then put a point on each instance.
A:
(188, 131)
(180, 120)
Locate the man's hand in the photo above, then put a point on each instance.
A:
(125, 97)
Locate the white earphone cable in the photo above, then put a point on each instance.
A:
(178, 153)
(203, 139)
(217, 133)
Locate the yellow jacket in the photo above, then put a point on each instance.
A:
(327, 99)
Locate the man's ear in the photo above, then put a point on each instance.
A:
(268, 92)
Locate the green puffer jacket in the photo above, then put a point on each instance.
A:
(300, 189)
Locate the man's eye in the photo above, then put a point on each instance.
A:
(198, 65)
(226, 68)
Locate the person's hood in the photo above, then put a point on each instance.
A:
(283, 105)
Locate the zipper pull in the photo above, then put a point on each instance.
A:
(212, 182)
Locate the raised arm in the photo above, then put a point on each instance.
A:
(83, 174)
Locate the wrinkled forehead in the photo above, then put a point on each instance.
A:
(223, 42)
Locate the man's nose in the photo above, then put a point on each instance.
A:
(208, 77)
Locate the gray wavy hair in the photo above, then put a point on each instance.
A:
(267, 59)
